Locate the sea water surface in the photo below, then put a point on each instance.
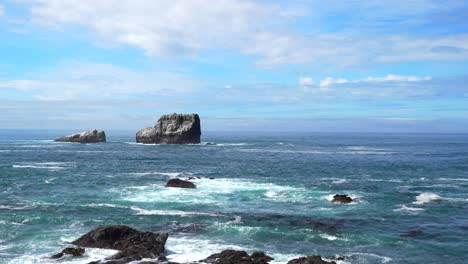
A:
(271, 192)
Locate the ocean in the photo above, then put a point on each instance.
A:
(271, 192)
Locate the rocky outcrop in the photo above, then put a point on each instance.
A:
(172, 129)
(76, 252)
(310, 260)
(237, 257)
(91, 136)
(132, 244)
(342, 198)
(178, 183)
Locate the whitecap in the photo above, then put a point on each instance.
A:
(232, 144)
(426, 197)
(94, 205)
(408, 209)
(141, 211)
(52, 166)
(340, 181)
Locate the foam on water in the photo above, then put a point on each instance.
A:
(141, 211)
(51, 166)
(426, 197)
(213, 192)
(91, 254)
(408, 209)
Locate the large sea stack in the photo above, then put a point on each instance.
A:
(90, 136)
(172, 129)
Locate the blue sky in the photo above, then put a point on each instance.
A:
(342, 66)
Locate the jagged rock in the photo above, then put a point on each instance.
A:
(310, 260)
(342, 198)
(178, 183)
(90, 136)
(237, 257)
(172, 129)
(132, 244)
(77, 252)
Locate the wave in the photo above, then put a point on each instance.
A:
(213, 192)
(51, 166)
(141, 211)
(168, 174)
(90, 255)
(233, 144)
(453, 179)
(94, 205)
(408, 209)
(324, 152)
(427, 197)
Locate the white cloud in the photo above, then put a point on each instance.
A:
(389, 86)
(2, 10)
(95, 81)
(163, 27)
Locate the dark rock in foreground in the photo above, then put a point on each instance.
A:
(76, 252)
(310, 260)
(133, 244)
(178, 183)
(172, 129)
(237, 257)
(91, 136)
(342, 198)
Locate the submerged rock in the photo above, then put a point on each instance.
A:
(310, 260)
(237, 257)
(90, 136)
(133, 244)
(412, 233)
(172, 129)
(76, 252)
(178, 183)
(342, 198)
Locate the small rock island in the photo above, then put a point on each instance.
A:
(172, 129)
(90, 136)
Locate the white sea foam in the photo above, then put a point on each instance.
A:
(426, 197)
(340, 181)
(105, 205)
(408, 209)
(11, 207)
(212, 192)
(186, 249)
(52, 166)
(383, 259)
(453, 179)
(91, 254)
(324, 152)
(232, 144)
(141, 211)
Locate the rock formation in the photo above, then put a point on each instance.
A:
(180, 184)
(342, 198)
(238, 257)
(133, 244)
(310, 260)
(76, 252)
(172, 129)
(91, 136)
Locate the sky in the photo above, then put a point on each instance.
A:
(242, 65)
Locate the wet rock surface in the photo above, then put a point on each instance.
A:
(342, 198)
(132, 244)
(310, 260)
(90, 136)
(172, 129)
(76, 252)
(178, 183)
(237, 257)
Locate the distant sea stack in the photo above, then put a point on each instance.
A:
(172, 129)
(90, 136)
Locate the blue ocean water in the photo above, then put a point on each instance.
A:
(270, 192)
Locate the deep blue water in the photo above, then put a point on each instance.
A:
(271, 192)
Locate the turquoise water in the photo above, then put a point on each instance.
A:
(271, 192)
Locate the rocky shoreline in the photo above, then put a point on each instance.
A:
(149, 248)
